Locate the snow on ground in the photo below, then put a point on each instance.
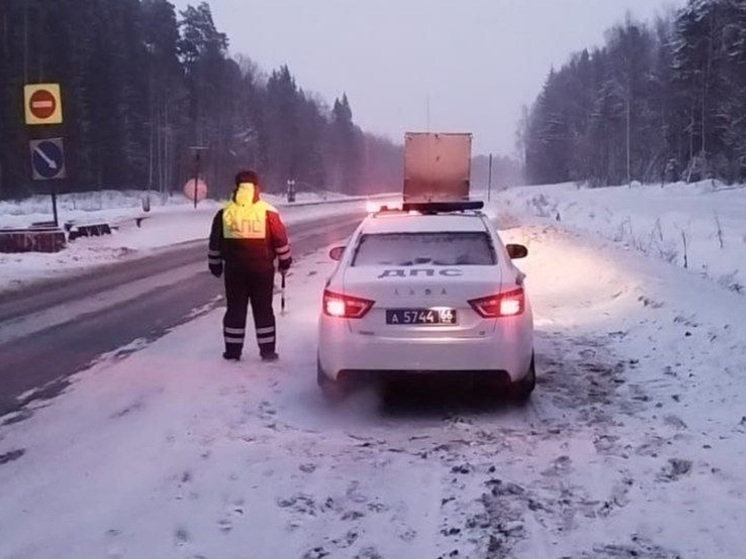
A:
(701, 226)
(166, 224)
(633, 444)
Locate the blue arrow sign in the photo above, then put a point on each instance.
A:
(47, 159)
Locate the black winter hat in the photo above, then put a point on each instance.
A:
(248, 175)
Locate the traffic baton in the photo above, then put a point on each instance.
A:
(282, 295)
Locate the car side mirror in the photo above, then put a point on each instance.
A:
(336, 253)
(516, 251)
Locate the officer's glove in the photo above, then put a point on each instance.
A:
(284, 265)
(216, 270)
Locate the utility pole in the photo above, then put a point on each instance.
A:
(489, 180)
(153, 121)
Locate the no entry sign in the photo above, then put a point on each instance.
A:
(43, 103)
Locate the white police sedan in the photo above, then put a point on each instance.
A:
(429, 288)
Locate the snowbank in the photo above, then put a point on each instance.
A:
(115, 204)
(698, 226)
(175, 221)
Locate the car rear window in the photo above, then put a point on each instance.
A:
(433, 249)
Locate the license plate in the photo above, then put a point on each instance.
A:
(436, 317)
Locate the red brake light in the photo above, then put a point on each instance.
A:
(345, 306)
(509, 303)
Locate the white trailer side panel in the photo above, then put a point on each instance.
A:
(437, 166)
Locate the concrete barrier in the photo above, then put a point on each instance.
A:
(42, 239)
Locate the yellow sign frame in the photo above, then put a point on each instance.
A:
(54, 89)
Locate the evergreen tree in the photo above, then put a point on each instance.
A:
(654, 103)
(345, 147)
(141, 86)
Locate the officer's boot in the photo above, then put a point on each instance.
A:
(232, 352)
(234, 338)
(265, 336)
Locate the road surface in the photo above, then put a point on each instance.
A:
(55, 329)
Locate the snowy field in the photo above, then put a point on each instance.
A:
(166, 224)
(632, 447)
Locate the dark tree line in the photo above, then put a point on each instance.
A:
(658, 102)
(142, 85)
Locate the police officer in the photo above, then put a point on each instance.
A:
(246, 237)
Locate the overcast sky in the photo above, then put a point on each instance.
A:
(476, 61)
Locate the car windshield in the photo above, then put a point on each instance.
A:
(434, 249)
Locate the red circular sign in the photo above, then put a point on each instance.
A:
(199, 190)
(42, 104)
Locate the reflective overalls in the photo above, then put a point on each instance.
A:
(246, 237)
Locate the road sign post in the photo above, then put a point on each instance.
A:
(196, 177)
(48, 163)
(197, 161)
(43, 106)
(54, 205)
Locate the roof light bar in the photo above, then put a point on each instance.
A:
(436, 207)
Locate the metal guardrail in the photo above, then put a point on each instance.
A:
(397, 195)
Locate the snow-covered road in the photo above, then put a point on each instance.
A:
(633, 445)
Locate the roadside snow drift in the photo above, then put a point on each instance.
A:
(165, 225)
(701, 226)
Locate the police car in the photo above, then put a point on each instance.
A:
(427, 288)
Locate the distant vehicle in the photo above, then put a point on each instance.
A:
(428, 288)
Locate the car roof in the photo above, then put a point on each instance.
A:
(405, 222)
